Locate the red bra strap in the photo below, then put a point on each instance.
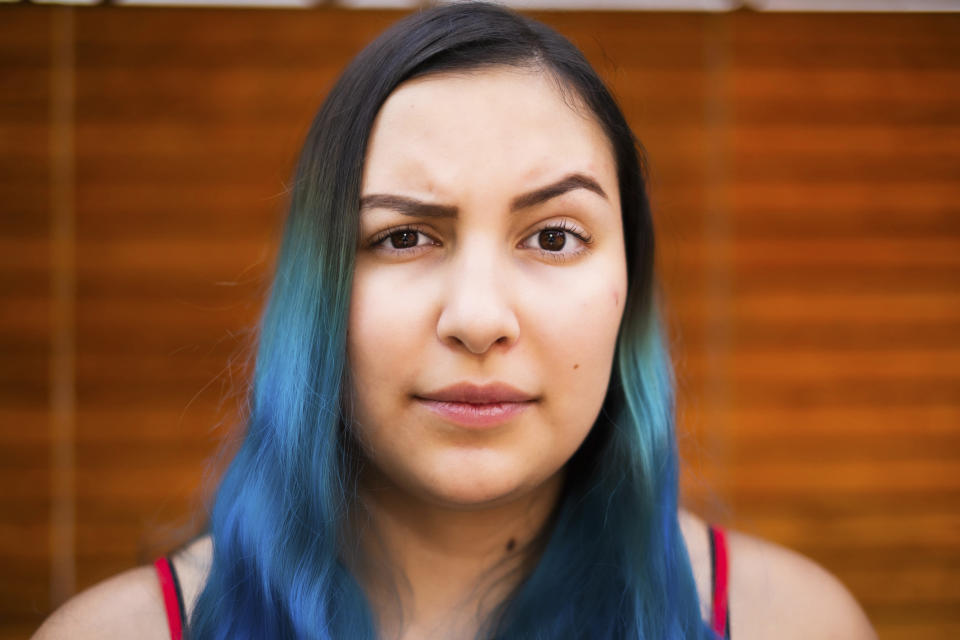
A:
(718, 546)
(171, 596)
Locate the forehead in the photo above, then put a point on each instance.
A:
(496, 128)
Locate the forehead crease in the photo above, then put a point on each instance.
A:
(432, 150)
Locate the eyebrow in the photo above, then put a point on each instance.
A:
(413, 207)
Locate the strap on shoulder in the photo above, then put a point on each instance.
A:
(719, 562)
(172, 596)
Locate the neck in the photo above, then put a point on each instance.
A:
(432, 570)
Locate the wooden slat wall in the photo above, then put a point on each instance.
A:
(804, 173)
(844, 341)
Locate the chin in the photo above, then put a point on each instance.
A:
(481, 486)
(471, 499)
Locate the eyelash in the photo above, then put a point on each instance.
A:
(563, 225)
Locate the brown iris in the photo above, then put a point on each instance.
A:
(552, 239)
(404, 239)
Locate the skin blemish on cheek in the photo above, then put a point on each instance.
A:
(616, 299)
(576, 366)
(511, 544)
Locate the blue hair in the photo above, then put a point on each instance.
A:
(611, 563)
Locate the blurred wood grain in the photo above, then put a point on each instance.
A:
(805, 178)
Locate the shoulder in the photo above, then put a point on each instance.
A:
(130, 604)
(778, 592)
(775, 592)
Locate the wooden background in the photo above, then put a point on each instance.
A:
(804, 174)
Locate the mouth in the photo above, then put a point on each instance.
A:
(467, 392)
(475, 415)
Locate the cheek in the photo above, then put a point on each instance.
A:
(575, 334)
(385, 334)
(575, 325)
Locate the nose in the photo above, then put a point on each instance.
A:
(477, 309)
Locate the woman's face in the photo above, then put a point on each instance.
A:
(491, 251)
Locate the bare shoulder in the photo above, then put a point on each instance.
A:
(130, 604)
(776, 592)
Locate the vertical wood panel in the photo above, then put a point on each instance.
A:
(25, 318)
(62, 319)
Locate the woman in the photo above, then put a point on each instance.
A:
(461, 420)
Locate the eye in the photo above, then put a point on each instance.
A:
(560, 241)
(401, 240)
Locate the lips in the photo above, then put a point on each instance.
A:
(476, 407)
(492, 393)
